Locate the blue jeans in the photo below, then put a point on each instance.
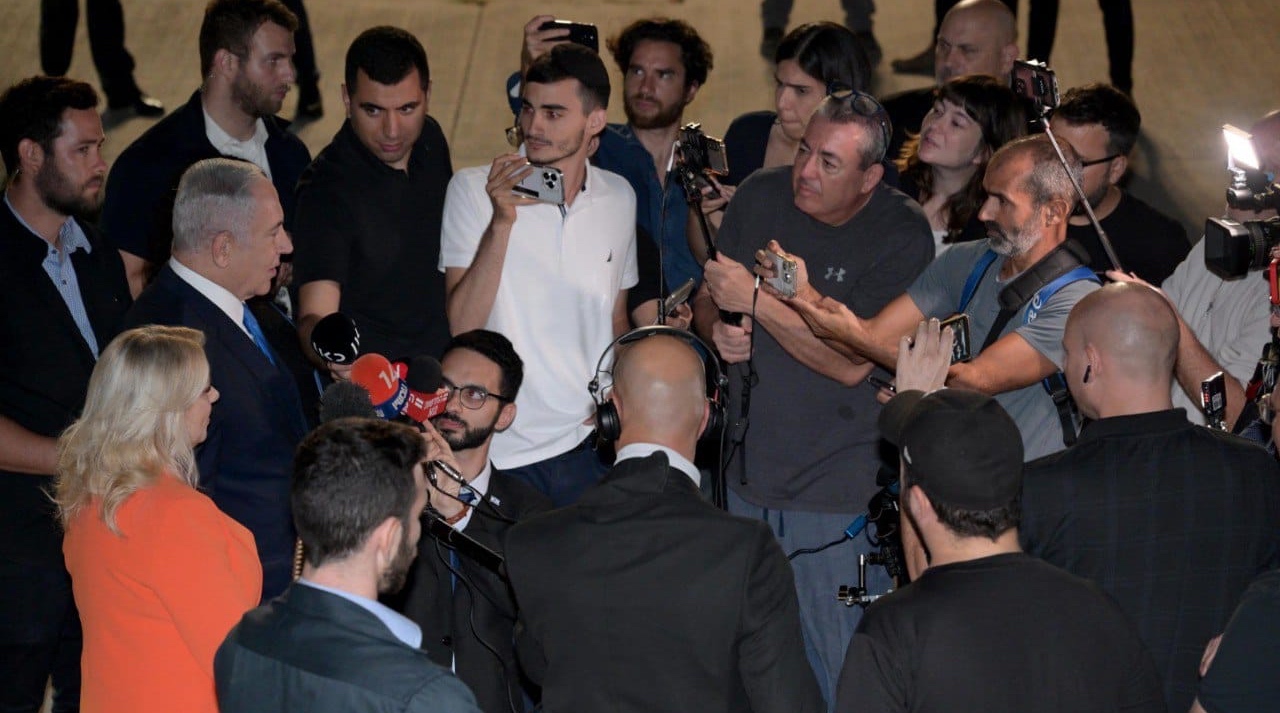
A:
(564, 478)
(827, 624)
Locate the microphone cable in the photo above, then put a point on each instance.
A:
(470, 588)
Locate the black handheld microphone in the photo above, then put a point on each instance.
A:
(336, 339)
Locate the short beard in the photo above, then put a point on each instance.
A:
(1094, 201)
(57, 193)
(663, 119)
(393, 578)
(470, 437)
(1017, 244)
(252, 99)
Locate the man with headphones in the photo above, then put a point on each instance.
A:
(642, 580)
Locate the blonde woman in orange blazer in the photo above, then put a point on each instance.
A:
(159, 574)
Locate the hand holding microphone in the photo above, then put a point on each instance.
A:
(336, 340)
(443, 495)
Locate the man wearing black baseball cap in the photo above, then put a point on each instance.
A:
(985, 626)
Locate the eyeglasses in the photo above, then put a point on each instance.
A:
(472, 396)
(1096, 161)
(863, 103)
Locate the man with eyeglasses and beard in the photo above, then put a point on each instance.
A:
(326, 644)
(867, 243)
(483, 374)
(64, 298)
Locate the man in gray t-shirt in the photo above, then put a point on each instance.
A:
(937, 292)
(1030, 197)
(807, 464)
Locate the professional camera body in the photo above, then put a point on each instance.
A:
(700, 155)
(1232, 248)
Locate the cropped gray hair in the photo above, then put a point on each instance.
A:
(214, 195)
(1047, 180)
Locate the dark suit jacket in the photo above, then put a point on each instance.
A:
(309, 650)
(643, 597)
(137, 211)
(45, 366)
(246, 460)
(452, 619)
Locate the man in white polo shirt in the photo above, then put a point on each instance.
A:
(551, 278)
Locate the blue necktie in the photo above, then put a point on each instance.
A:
(468, 496)
(259, 339)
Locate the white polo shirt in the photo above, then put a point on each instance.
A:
(555, 300)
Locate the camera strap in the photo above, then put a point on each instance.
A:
(1067, 263)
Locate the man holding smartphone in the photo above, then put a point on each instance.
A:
(867, 243)
(551, 278)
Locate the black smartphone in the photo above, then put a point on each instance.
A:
(1035, 81)
(959, 324)
(581, 33)
(1213, 400)
(881, 383)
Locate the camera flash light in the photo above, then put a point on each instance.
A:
(1240, 153)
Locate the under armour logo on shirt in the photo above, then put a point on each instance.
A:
(838, 274)
(610, 258)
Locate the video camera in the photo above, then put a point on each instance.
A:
(882, 515)
(1233, 248)
(700, 155)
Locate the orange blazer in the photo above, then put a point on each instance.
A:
(157, 600)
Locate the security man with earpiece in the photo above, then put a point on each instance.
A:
(642, 596)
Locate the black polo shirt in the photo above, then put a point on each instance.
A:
(375, 230)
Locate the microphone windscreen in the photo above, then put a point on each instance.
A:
(336, 339)
(376, 375)
(342, 399)
(425, 374)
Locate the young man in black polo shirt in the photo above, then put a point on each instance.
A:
(367, 240)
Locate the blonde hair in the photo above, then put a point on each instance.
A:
(133, 427)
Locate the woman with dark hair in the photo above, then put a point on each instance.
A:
(810, 58)
(942, 166)
(160, 575)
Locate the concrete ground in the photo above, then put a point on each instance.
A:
(1199, 64)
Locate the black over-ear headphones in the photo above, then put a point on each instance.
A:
(609, 425)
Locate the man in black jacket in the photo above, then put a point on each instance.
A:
(465, 609)
(1173, 520)
(63, 300)
(246, 66)
(643, 597)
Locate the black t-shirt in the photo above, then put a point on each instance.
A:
(1147, 241)
(1001, 633)
(1245, 675)
(375, 230)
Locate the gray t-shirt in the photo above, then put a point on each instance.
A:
(813, 444)
(937, 293)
